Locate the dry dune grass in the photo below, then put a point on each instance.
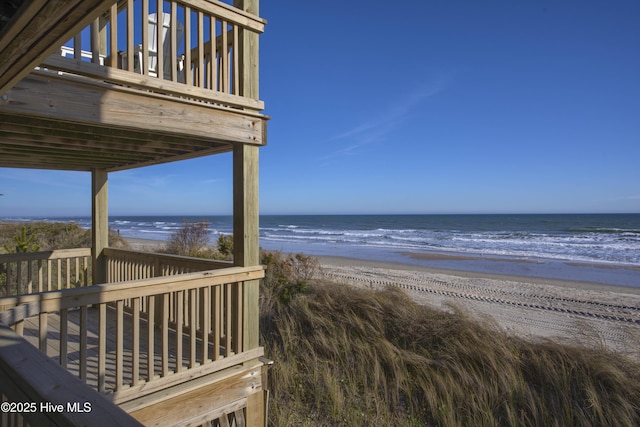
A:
(347, 356)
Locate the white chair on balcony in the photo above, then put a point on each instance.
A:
(153, 49)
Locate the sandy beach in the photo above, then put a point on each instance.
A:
(536, 308)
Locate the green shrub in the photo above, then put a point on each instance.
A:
(225, 245)
(23, 243)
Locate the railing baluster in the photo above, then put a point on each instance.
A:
(59, 273)
(86, 271)
(95, 41)
(193, 328)
(235, 62)
(77, 275)
(201, 62)
(130, 35)
(38, 284)
(179, 303)
(119, 343)
(67, 264)
(224, 59)
(227, 320)
(159, 39)
(113, 36)
(49, 265)
(102, 347)
(19, 278)
(82, 368)
(144, 66)
(217, 322)
(187, 46)
(174, 42)
(238, 322)
(150, 337)
(8, 276)
(42, 332)
(77, 47)
(29, 277)
(64, 336)
(165, 334)
(135, 344)
(205, 305)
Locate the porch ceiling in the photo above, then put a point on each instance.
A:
(40, 143)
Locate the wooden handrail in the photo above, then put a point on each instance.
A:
(112, 292)
(56, 254)
(28, 376)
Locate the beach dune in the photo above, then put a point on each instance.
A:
(570, 312)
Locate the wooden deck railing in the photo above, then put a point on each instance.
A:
(192, 326)
(123, 265)
(30, 272)
(193, 50)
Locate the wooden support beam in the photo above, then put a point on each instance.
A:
(80, 100)
(246, 243)
(99, 224)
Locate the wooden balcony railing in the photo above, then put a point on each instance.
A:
(123, 265)
(185, 48)
(131, 339)
(30, 272)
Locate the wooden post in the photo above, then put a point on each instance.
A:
(246, 244)
(245, 181)
(99, 224)
(245, 205)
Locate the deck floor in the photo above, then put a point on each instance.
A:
(31, 334)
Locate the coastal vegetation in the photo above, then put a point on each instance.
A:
(192, 239)
(33, 236)
(350, 356)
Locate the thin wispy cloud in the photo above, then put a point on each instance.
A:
(378, 128)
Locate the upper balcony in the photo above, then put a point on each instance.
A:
(145, 82)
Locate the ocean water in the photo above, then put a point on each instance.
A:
(552, 242)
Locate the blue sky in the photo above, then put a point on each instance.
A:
(414, 107)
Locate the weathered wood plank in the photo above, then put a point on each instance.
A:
(40, 379)
(73, 99)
